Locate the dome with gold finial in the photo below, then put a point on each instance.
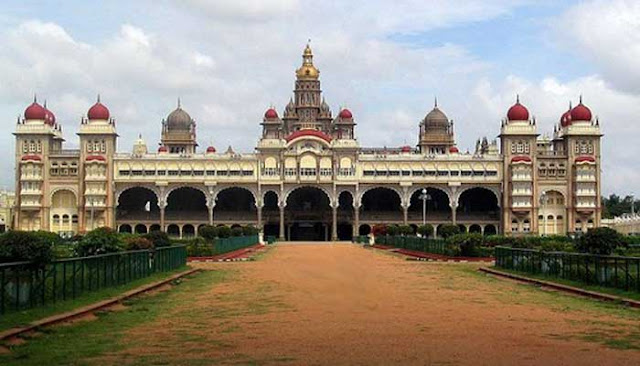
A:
(307, 70)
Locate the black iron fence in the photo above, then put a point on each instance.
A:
(24, 285)
(608, 271)
(427, 245)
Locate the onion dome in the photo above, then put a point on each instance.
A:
(163, 149)
(581, 112)
(98, 111)
(518, 112)
(211, 150)
(346, 114)
(453, 150)
(521, 159)
(565, 119)
(35, 111)
(49, 117)
(406, 149)
(179, 120)
(270, 114)
(307, 70)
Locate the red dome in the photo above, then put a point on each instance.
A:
(406, 149)
(35, 111)
(162, 149)
(98, 111)
(49, 117)
(271, 114)
(345, 113)
(521, 158)
(453, 150)
(211, 150)
(581, 113)
(518, 112)
(565, 120)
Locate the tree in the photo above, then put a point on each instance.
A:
(158, 238)
(425, 230)
(208, 232)
(99, 241)
(615, 205)
(236, 231)
(465, 245)
(448, 230)
(137, 243)
(393, 230)
(224, 232)
(601, 240)
(405, 230)
(250, 230)
(35, 247)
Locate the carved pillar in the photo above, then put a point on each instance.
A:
(454, 206)
(281, 231)
(162, 205)
(259, 207)
(356, 220)
(405, 214)
(334, 221)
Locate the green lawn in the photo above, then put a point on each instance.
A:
(77, 344)
(17, 318)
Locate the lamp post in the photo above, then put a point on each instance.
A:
(424, 197)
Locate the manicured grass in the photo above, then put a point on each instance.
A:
(581, 285)
(17, 318)
(83, 342)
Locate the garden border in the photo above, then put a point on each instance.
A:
(54, 319)
(565, 288)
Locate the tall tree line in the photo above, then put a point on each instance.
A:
(615, 205)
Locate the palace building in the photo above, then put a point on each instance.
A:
(309, 178)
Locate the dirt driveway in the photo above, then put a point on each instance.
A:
(340, 304)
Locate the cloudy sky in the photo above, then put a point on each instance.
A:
(386, 61)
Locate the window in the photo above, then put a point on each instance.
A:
(307, 172)
(56, 219)
(74, 219)
(247, 173)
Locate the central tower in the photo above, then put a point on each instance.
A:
(307, 110)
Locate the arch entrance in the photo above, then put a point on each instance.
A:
(308, 215)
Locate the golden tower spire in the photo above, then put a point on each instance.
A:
(307, 70)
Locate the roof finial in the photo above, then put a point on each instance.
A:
(35, 98)
(580, 98)
(45, 104)
(140, 136)
(98, 98)
(179, 104)
(435, 102)
(570, 106)
(517, 98)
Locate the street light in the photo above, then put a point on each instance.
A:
(424, 197)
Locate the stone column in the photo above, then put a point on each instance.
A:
(259, 207)
(334, 222)
(281, 206)
(356, 220)
(405, 214)
(211, 204)
(453, 213)
(162, 206)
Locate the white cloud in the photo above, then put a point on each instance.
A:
(606, 32)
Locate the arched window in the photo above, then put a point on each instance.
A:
(56, 219)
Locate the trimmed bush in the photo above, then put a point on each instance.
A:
(426, 230)
(158, 238)
(466, 245)
(448, 230)
(199, 247)
(99, 241)
(405, 230)
(208, 232)
(249, 230)
(137, 243)
(393, 230)
(36, 247)
(602, 240)
(224, 231)
(236, 231)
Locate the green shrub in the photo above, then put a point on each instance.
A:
(602, 240)
(158, 238)
(250, 230)
(466, 245)
(556, 246)
(393, 230)
(224, 231)
(405, 230)
(36, 247)
(208, 232)
(236, 231)
(99, 241)
(448, 230)
(199, 247)
(426, 231)
(137, 243)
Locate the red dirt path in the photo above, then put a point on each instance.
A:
(338, 304)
